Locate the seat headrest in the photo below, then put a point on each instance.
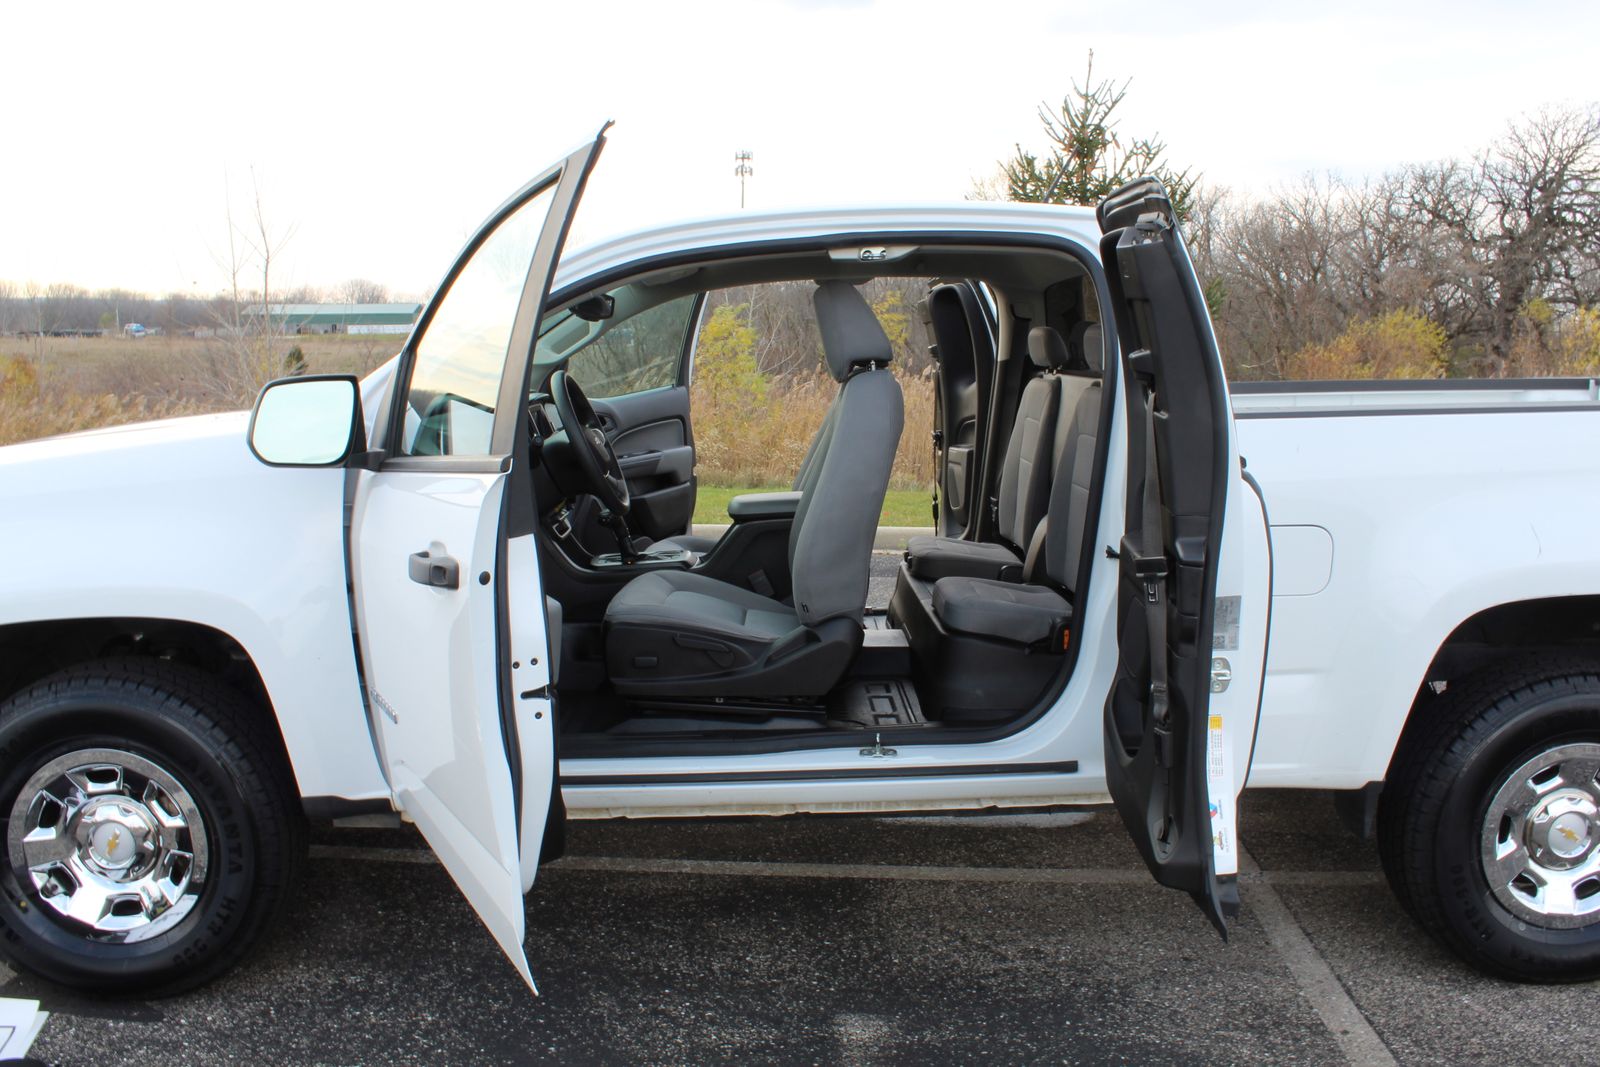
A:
(850, 331)
(1046, 348)
(1088, 346)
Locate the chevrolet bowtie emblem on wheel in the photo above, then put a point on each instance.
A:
(111, 844)
(1568, 832)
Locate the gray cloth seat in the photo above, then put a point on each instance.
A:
(932, 557)
(716, 607)
(676, 633)
(1040, 606)
(1025, 474)
(1009, 611)
(702, 546)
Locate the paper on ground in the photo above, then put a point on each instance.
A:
(20, 1023)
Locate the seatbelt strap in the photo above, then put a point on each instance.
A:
(938, 440)
(1151, 566)
(1035, 555)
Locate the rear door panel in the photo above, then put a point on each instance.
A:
(1172, 764)
(964, 369)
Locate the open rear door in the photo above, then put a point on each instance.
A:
(963, 377)
(1194, 568)
(450, 615)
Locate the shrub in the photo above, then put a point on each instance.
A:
(757, 439)
(28, 410)
(1400, 344)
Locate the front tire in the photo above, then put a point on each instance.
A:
(152, 830)
(1490, 823)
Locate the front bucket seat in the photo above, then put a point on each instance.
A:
(680, 634)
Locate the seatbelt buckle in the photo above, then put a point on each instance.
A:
(1153, 571)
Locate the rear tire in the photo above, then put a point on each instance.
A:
(1489, 826)
(153, 832)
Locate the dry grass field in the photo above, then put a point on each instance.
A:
(58, 385)
(54, 385)
(176, 369)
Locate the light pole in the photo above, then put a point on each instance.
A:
(743, 170)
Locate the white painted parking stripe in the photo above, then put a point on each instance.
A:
(380, 855)
(1321, 988)
(1317, 878)
(1044, 820)
(874, 871)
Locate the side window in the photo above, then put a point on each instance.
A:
(641, 352)
(455, 377)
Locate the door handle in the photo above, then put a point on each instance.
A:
(441, 572)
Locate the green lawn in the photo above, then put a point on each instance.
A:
(901, 507)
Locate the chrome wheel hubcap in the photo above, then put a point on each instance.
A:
(1540, 838)
(112, 843)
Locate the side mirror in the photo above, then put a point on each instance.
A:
(309, 421)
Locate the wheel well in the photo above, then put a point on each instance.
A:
(30, 651)
(1555, 624)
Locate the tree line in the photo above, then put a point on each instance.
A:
(1482, 266)
(67, 308)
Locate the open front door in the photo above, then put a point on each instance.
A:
(1194, 568)
(450, 615)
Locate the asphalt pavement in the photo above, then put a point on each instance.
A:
(994, 938)
(847, 939)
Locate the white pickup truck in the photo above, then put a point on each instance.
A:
(406, 594)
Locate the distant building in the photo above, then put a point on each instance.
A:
(337, 318)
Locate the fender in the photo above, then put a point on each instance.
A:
(176, 520)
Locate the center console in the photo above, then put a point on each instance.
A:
(654, 558)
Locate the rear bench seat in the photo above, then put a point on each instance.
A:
(985, 648)
(1036, 441)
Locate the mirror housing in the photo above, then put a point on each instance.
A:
(595, 308)
(313, 420)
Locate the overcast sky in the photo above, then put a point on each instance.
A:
(381, 134)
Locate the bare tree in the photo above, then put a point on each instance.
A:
(1524, 219)
(247, 349)
(10, 308)
(362, 291)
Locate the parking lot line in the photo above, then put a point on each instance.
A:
(1321, 988)
(1134, 876)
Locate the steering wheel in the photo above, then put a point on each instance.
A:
(596, 459)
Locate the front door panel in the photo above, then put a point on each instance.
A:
(450, 615)
(655, 448)
(432, 653)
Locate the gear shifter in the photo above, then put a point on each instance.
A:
(619, 530)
